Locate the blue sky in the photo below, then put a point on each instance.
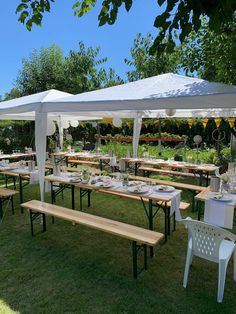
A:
(62, 28)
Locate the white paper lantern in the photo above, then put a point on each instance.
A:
(65, 124)
(74, 123)
(197, 139)
(170, 112)
(51, 128)
(117, 122)
(94, 124)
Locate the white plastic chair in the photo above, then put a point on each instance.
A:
(212, 243)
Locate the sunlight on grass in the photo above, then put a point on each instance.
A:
(5, 309)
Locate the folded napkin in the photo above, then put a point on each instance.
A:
(219, 213)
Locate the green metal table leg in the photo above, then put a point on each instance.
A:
(150, 222)
(21, 193)
(73, 196)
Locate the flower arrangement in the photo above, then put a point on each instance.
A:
(225, 177)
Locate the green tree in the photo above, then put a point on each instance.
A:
(82, 73)
(211, 55)
(183, 16)
(146, 65)
(43, 70)
(76, 73)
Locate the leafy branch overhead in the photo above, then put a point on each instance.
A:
(179, 17)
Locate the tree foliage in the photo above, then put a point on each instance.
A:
(211, 55)
(146, 65)
(76, 73)
(183, 16)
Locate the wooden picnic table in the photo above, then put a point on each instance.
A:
(201, 169)
(91, 158)
(154, 200)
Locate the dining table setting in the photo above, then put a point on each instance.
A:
(151, 195)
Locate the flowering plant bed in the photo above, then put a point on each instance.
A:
(142, 138)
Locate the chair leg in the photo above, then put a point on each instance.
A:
(221, 280)
(187, 266)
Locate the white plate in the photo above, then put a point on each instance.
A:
(136, 190)
(103, 184)
(222, 199)
(135, 183)
(164, 188)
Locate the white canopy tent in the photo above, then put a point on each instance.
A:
(144, 98)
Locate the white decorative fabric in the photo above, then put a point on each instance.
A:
(175, 202)
(122, 165)
(136, 134)
(219, 213)
(113, 161)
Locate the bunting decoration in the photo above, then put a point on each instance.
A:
(204, 122)
(218, 122)
(231, 121)
(107, 120)
(129, 125)
(190, 122)
(178, 122)
(145, 124)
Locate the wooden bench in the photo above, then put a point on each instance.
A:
(141, 238)
(148, 170)
(6, 194)
(72, 169)
(75, 162)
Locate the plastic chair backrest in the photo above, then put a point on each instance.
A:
(206, 238)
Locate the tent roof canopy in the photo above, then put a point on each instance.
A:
(145, 98)
(166, 91)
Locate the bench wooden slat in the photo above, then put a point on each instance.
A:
(166, 171)
(83, 162)
(4, 193)
(124, 230)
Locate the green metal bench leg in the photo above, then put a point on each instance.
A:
(134, 255)
(12, 204)
(73, 196)
(31, 223)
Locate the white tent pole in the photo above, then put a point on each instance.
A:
(40, 143)
(60, 129)
(136, 134)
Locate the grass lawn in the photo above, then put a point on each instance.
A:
(74, 269)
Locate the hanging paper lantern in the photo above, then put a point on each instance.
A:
(74, 123)
(94, 124)
(204, 122)
(65, 124)
(231, 121)
(170, 112)
(117, 122)
(218, 121)
(190, 122)
(51, 128)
